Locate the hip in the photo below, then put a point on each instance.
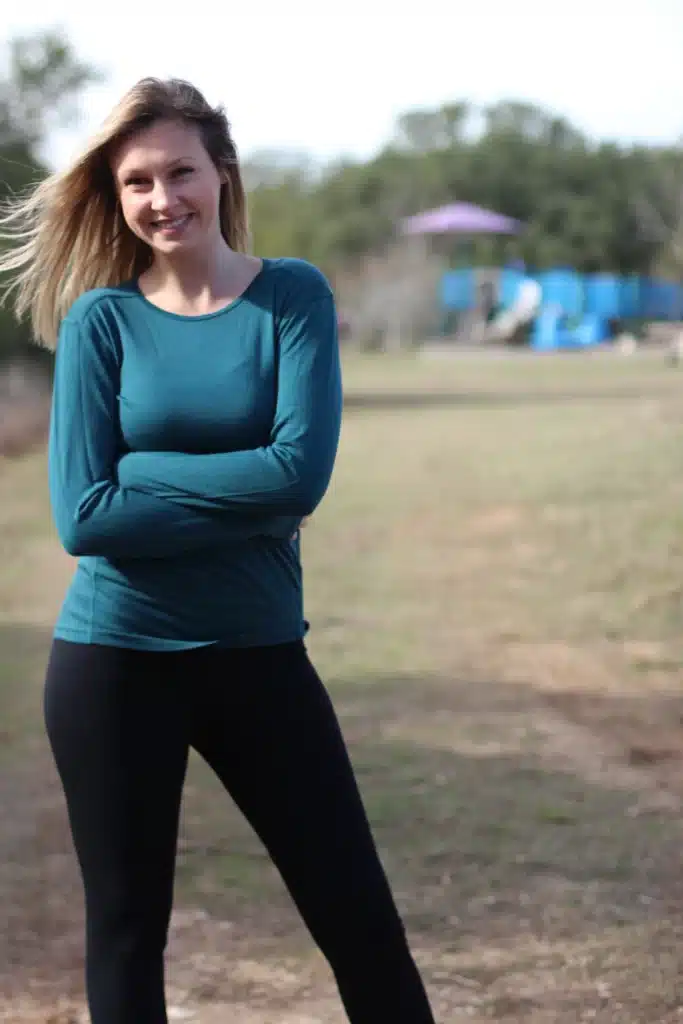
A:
(165, 605)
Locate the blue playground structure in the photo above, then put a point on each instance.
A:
(576, 310)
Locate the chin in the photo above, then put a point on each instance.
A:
(168, 246)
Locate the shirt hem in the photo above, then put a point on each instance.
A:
(147, 643)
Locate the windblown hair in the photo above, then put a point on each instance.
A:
(67, 234)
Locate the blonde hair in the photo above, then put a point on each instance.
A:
(67, 234)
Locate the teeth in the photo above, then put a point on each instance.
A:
(171, 223)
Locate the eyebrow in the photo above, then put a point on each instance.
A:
(131, 172)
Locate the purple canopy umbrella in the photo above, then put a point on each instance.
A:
(461, 219)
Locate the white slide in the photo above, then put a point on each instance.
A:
(524, 308)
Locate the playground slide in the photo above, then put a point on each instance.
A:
(519, 315)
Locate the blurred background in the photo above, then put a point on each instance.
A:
(494, 581)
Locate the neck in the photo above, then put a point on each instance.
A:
(195, 274)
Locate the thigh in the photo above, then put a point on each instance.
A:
(279, 750)
(116, 727)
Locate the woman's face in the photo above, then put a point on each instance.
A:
(169, 188)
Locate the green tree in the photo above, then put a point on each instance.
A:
(578, 199)
(658, 210)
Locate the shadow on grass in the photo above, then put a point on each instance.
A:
(486, 836)
(398, 401)
(470, 813)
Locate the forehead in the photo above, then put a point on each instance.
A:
(162, 143)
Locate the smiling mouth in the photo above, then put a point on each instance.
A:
(172, 225)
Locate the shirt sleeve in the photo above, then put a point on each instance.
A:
(93, 512)
(291, 474)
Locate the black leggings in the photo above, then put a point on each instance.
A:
(121, 724)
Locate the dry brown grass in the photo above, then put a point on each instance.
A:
(494, 585)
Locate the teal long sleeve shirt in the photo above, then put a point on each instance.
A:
(184, 452)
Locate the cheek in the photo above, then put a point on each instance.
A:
(206, 199)
(132, 214)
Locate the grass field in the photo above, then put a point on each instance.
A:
(495, 586)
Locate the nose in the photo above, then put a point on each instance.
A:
(162, 198)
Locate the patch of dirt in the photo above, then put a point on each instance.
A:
(645, 735)
(610, 724)
(495, 521)
(560, 666)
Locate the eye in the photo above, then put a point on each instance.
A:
(182, 172)
(134, 181)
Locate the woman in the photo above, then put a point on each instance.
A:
(195, 422)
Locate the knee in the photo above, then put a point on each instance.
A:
(372, 936)
(129, 928)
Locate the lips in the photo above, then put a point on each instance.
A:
(172, 224)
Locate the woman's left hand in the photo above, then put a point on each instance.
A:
(304, 522)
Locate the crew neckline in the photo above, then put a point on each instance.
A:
(194, 317)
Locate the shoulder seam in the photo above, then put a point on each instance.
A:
(95, 301)
(313, 273)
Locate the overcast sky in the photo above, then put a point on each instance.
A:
(330, 78)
